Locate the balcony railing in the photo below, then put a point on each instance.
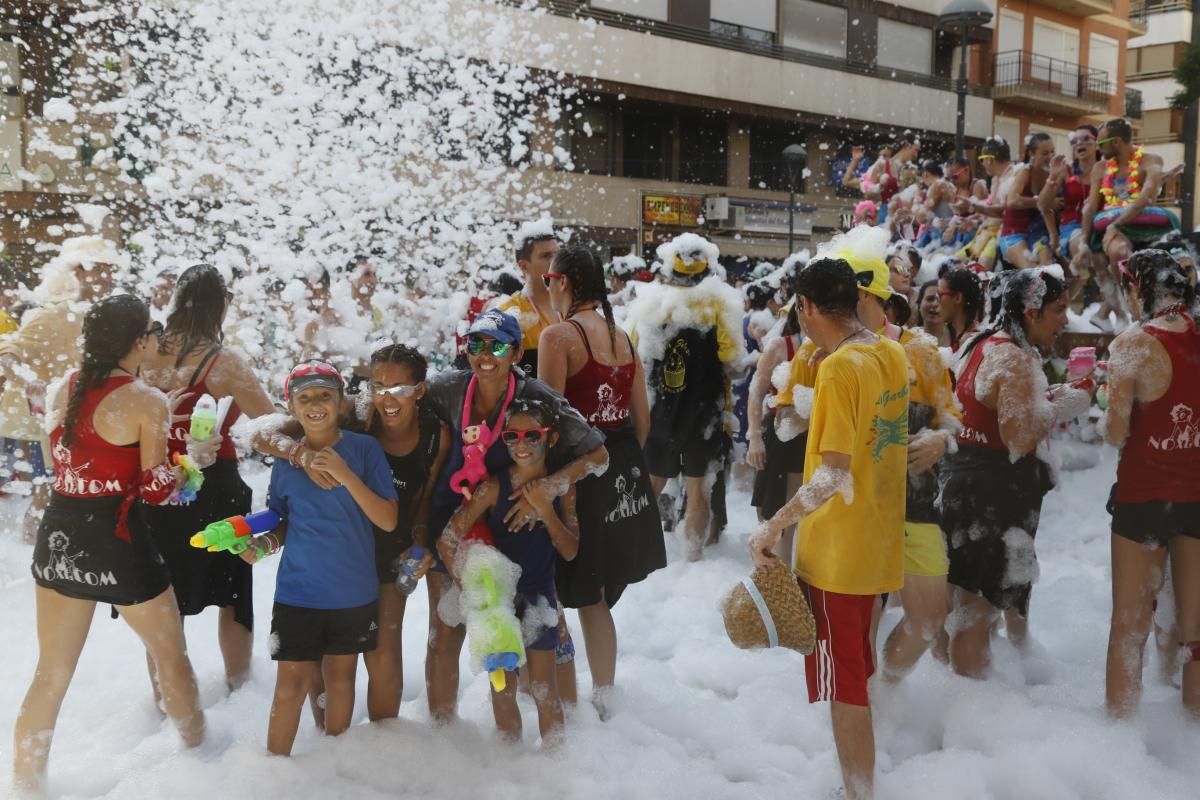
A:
(1160, 6)
(580, 9)
(1050, 82)
(1133, 103)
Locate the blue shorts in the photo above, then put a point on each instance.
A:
(1030, 240)
(1064, 238)
(539, 636)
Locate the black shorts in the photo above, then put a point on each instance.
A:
(770, 483)
(78, 554)
(990, 509)
(388, 549)
(694, 456)
(1155, 522)
(308, 634)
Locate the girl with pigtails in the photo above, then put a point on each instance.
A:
(594, 366)
(109, 444)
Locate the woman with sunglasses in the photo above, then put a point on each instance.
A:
(93, 544)
(621, 539)
(528, 434)
(1024, 239)
(189, 359)
(473, 404)
(416, 445)
(997, 163)
(1154, 379)
(1062, 200)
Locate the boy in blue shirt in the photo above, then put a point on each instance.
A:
(326, 591)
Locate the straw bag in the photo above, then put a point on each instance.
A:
(768, 609)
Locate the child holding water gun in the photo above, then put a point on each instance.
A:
(528, 433)
(326, 591)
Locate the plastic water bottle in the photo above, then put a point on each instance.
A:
(406, 581)
(204, 419)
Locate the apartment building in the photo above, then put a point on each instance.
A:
(1055, 64)
(689, 105)
(53, 158)
(1152, 59)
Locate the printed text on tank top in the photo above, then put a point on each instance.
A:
(980, 424)
(600, 392)
(1158, 461)
(94, 466)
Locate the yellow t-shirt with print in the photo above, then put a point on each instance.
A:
(929, 378)
(860, 408)
(528, 317)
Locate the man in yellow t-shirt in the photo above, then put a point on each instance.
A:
(536, 250)
(849, 549)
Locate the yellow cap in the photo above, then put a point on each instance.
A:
(881, 283)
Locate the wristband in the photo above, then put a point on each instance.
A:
(294, 456)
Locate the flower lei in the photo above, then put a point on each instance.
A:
(1133, 188)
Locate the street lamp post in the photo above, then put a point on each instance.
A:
(961, 16)
(795, 156)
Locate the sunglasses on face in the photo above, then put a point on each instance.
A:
(1086, 138)
(1106, 140)
(942, 294)
(477, 344)
(548, 277)
(531, 436)
(155, 329)
(401, 390)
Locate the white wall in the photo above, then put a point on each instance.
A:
(1155, 93)
(1173, 26)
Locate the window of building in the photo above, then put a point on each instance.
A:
(734, 31)
(814, 27)
(1011, 33)
(703, 150)
(758, 15)
(768, 168)
(591, 140)
(1009, 129)
(650, 9)
(1102, 55)
(904, 47)
(647, 145)
(1057, 56)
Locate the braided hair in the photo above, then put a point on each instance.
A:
(1161, 280)
(111, 328)
(403, 355)
(586, 274)
(1014, 293)
(196, 313)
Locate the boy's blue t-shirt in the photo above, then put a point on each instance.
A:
(329, 553)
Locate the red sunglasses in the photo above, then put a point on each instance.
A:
(549, 276)
(532, 436)
(1127, 277)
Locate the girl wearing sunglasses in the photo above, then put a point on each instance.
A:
(1062, 200)
(473, 404)
(621, 541)
(528, 434)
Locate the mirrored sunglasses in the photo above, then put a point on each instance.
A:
(398, 391)
(477, 344)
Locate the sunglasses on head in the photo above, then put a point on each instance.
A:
(401, 390)
(550, 276)
(477, 344)
(985, 156)
(1127, 278)
(531, 436)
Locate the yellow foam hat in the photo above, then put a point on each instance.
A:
(694, 267)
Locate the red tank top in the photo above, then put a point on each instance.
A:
(1019, 220)
(981, 425)
(1075, 194)
(601, 393)
(1161, 457)
(791, 353)
(92, 466)
(196, 390)
(888, 189)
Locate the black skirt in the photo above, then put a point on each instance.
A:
(620, 532)
(202, 579)
(990, 508)
(78, 554)
(770, 483)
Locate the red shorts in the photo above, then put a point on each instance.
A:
(841, 663)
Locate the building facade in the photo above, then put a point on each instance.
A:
(1153, 57)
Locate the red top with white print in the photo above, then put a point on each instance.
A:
(600, 393)
(92, 466)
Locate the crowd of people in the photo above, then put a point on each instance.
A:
(895, 430)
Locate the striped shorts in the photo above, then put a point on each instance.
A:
(840, 665)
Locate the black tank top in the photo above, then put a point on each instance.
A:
(411, 472)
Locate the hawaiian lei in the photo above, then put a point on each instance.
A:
(1133, 188)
